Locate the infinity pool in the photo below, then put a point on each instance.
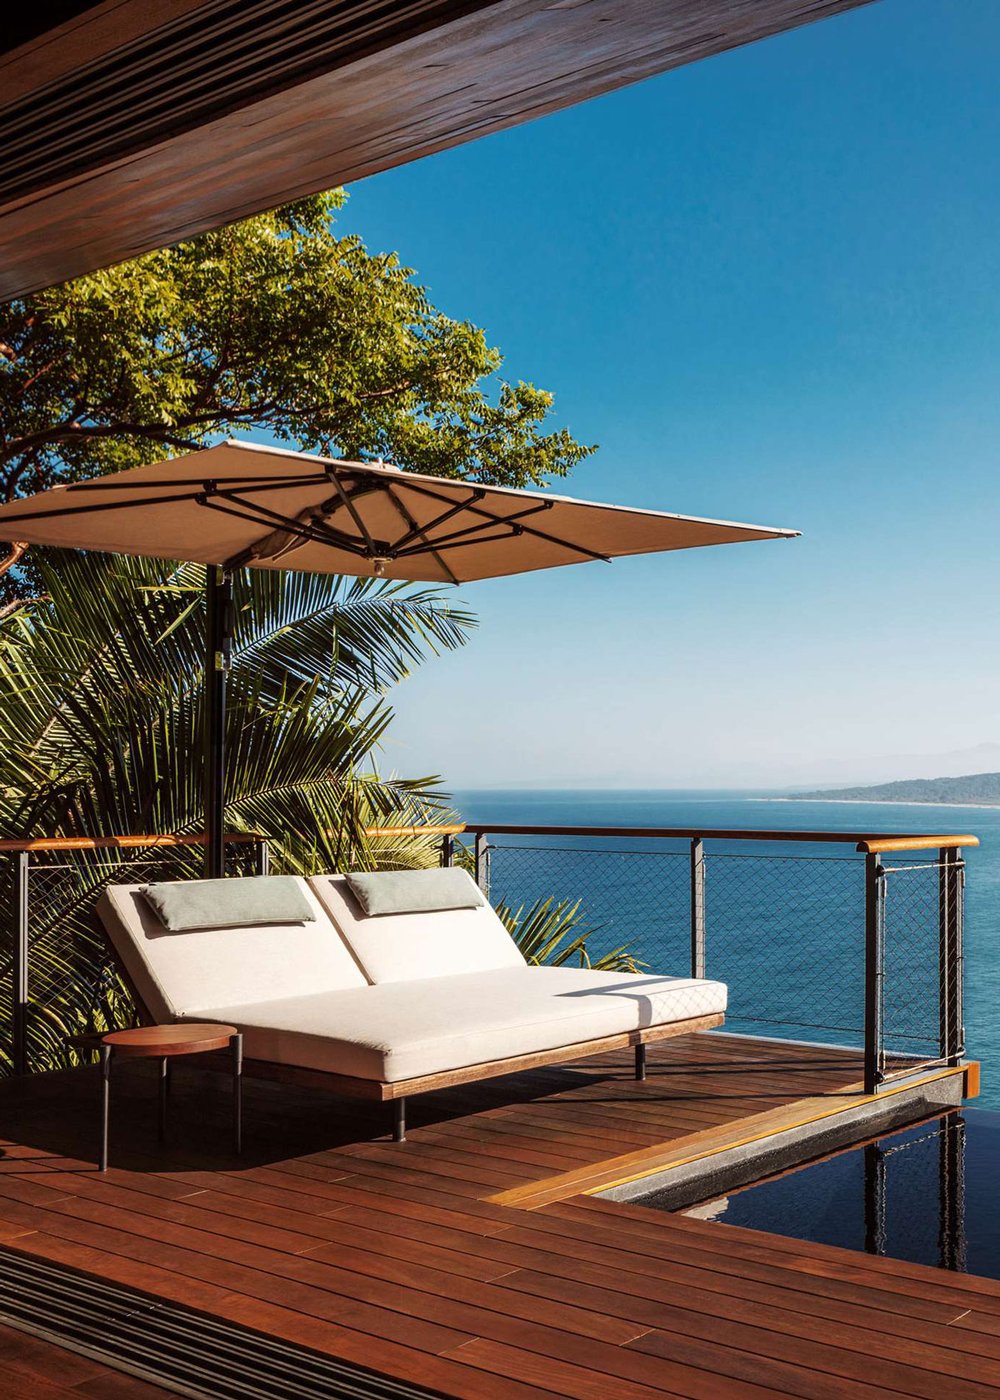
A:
(929, 1193)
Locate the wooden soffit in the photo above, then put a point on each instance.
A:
(131, 124)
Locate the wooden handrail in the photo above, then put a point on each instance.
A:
(416, 830)
(876, 845)
(124, 843)
(862, 841)
(869, 843)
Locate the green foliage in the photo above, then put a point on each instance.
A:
(275, 323)
(101, 703)
(101, 700)
(553, 931)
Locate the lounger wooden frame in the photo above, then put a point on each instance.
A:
(382, 1092)
(379, 1091)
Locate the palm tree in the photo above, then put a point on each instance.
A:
(101, 682)
(101, 698)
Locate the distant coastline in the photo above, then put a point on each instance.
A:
(878, 801)
(968, 790)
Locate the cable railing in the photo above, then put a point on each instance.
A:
(839, 938)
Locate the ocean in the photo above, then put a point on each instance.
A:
(791, 930)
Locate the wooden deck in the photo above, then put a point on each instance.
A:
(400, 1259)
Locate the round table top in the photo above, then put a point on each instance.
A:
(184, 1039)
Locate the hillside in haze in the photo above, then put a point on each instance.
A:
(981, 788)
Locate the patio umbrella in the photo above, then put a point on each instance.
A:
(240, 505)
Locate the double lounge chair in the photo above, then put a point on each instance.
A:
(386, 1005)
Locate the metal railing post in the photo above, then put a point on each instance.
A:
(20, 965)
(697, 907)
(944, 956)
(447, 849)
(263, 858)
(951, 873)
(958, 952)
(874, 972)
(482, 855)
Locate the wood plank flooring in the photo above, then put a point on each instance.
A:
(397, 1258)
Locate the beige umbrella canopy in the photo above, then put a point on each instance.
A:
(240, 505)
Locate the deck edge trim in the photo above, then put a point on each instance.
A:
(661, 1157)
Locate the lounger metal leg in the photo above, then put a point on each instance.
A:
(640, 1062)
(399, 1120)
(102, 1164)
(236, 1045)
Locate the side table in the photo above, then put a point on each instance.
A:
(163, 1043)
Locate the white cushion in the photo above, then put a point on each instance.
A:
(405, 947)
(179, 974)
(392, 1031)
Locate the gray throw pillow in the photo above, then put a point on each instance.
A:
(415, 891)
(185, 905)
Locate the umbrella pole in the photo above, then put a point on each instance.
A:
(219, 640)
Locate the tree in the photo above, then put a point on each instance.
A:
(275, 324)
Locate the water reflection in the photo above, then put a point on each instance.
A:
(952, 1143)
(927, 1194)
(949, 1137)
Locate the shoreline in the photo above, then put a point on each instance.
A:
(882, 802)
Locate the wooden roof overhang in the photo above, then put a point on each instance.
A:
(130, 124)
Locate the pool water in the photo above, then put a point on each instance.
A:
(927, 1193)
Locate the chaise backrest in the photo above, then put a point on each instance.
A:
(411, 947)
(178, 974)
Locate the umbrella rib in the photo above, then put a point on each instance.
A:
(304, 532)
(355, 515)
(321, 531)
(404, 512)
(317, 524)
(421, 531)
(242, 483)
(528, 529)
(104, 505)
(191, 490)
(445, 541)
(465, 544)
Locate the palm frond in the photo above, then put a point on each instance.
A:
(552, 931)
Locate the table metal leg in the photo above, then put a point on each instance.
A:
(236, 1045)
(105, 1106)
(164, 1094)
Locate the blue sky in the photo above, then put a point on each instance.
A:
(769, 286)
